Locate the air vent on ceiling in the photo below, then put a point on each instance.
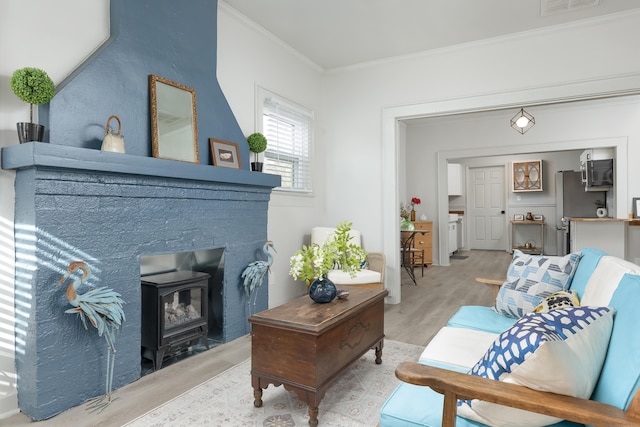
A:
(552, 7)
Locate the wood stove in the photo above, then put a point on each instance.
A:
(174, 313)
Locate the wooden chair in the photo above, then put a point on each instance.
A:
(415, 257)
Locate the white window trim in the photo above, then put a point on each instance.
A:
(261, 95)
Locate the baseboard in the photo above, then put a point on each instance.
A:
(9, 405)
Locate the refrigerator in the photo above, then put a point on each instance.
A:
(572, 201)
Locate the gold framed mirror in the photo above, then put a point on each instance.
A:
(174, 121)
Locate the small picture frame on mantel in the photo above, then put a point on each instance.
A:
(538, 217)
(225, 154)
(636, 207)
(518, 217)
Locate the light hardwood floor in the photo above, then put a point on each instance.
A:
(423, 311)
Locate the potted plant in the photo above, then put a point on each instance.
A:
(34, 86)
(257, 144)
(314, 261)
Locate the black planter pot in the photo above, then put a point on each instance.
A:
(256, 166)
(30, 132)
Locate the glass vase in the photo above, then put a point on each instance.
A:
(406, 225)
(322, 290)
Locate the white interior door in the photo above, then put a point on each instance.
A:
(486, 208)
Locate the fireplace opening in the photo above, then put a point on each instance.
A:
(182, 308)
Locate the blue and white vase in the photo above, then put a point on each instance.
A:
(322, 290)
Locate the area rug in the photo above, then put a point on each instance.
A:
(354, 399)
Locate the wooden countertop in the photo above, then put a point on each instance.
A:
(634, 222)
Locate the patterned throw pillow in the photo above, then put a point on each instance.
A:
(561, 351)
(556, 300)
(530, 278)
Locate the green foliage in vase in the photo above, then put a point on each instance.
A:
(349, 256)
(314, 261)
(310, 263)
(32, 85)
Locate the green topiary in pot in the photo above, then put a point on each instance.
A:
(34, 86)
(257, 144)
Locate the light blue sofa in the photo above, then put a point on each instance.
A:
(600, 280)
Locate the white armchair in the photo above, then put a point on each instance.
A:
(371, 277)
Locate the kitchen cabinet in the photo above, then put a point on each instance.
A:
(533, 249)
(424, 241)
(453, 237)
(455, 179)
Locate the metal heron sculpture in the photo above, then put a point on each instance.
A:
(103, 308)
(254, 273)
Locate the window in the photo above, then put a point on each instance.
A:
(288, 128)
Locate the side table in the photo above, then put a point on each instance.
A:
(305, 346)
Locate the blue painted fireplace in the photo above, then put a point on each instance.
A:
(110, 209)
(76, 203)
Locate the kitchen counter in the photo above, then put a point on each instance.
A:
(631, 221)
(608, 234)
(600, 219)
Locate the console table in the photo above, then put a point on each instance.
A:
(534, 249)
(305, 346)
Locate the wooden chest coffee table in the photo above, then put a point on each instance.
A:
(305, 346)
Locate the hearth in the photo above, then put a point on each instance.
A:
(174, 313)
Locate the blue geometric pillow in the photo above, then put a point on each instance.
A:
(561, 351)
(530, 278)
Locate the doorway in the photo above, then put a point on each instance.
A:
(394, 135)
(486, 208)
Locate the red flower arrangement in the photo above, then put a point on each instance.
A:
(414, 201)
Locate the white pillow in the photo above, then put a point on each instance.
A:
(560, 351)
(340, 277)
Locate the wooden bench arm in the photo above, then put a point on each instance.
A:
(494, 283)
(456, 385)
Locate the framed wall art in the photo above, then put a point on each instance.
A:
(225, 154)
(527, 176)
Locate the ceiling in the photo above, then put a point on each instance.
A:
(340, 33)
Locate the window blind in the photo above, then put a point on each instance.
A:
(288, 128)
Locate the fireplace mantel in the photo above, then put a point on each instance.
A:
(41, 154)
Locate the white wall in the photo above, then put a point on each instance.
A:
(247, 58)
(555, 125)
(362, 101)
(56, 41)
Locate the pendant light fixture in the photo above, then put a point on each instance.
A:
(522, 121)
